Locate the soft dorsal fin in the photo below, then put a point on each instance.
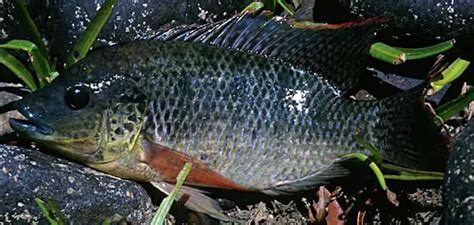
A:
(337, 52)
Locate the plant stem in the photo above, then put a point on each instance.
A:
(452, 107)
(373, 166)
(165, 205)
(18, 69)
(89, 36)
(24, 17)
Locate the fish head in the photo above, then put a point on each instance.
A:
(90, 114)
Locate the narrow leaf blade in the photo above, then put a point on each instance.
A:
(18, 69)
(165, 205)
(39, 62)
(89, 36)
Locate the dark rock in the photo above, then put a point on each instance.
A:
(459, 180)
(8, 93)
(82, 195)
(432, 18)
(62, 21)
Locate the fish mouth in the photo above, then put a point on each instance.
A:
(29, 126)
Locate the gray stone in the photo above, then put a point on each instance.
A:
(62, 21)
(8, 93)
(83, 196)
(459, 180)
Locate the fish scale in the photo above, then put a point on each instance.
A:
(226, 96)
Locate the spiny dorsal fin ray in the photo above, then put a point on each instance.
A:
(337, 52)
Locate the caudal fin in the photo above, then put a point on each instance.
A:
(407, 134)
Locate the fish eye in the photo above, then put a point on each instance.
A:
(77, 97)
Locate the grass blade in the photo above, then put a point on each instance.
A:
(372, 165)
(253, 7)
(387, 53)
(397, 55)
(18, 69)
(447, 76)
(39, 62)
(50, 211)
(24, 17)
(420, 53)
(452, 107)
(165, 205)
(89, 36)
(287, 7)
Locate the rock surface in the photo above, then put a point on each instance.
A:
(459, 181)
(82, 195)
(62, 21)
(441, 19)
(8, 93)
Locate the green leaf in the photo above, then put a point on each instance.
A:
(18, 69)
(452, 107)
(376, 156)
(89, 36)
(410, 174)
(372, 165)
(39, 62)
(253, 7)
(420, 53)
(50, 211)
(287, 7)
(398, 55)
(165, 205)
(387, 53)
(447, 76)
(24, 17)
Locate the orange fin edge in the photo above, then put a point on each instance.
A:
(169, 162)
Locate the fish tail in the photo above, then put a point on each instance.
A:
(407, 134)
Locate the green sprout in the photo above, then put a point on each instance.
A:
(24, 17)
(165, 205)
(376, 165)
(253, 7)
(90, 34)
(50, 211)
(448, 75)
(270, 5)
(398, 55)
(38, 55)
(452, 107)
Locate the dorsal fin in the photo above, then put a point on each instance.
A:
(337, 52)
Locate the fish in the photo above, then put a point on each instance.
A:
(458, 186)
(253, 103)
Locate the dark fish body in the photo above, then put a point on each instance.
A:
(249, 112)
(458, 187)
(436, 19)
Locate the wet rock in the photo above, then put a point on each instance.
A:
(82, 195)
(62, 21)
(8, 93)
(433, 18)
(459, 180)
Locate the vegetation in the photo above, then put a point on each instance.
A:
(44, 70)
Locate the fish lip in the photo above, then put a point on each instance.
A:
(26, 126)
(29, 126)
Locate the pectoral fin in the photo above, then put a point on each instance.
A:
(168, 162)
(195, 200)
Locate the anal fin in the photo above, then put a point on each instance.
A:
(195, 200)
